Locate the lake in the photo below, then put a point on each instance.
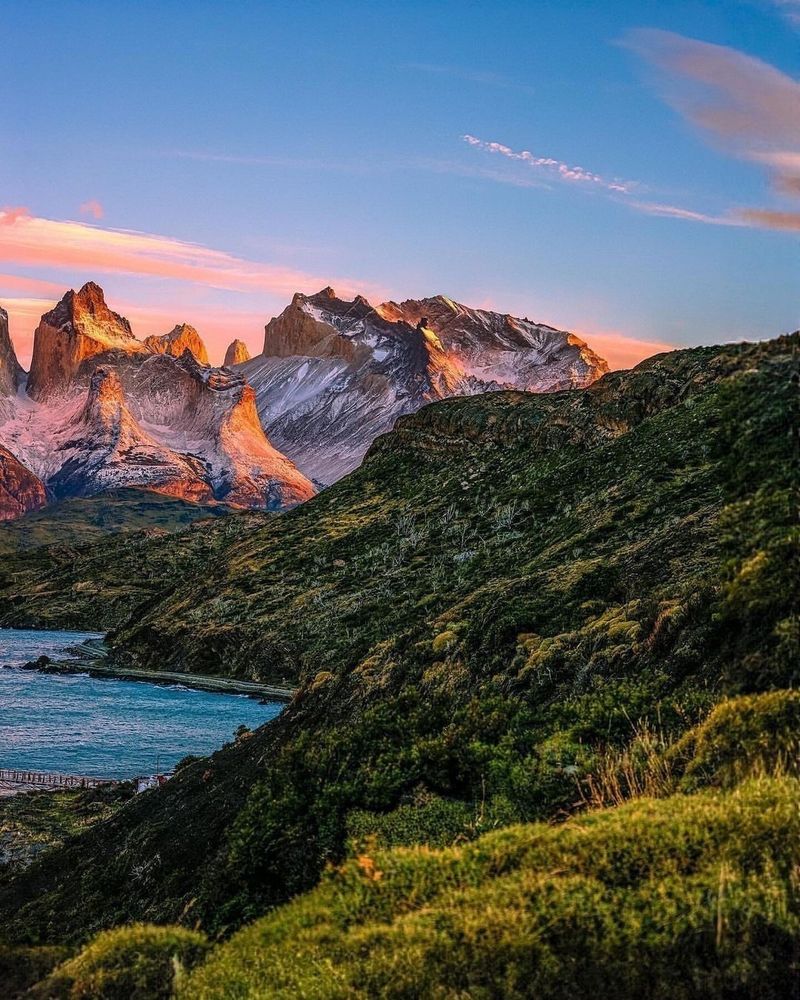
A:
(76, 724)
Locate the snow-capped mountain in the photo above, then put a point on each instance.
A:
(102, 410)
(334, 374)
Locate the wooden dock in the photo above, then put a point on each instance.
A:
(45, 780)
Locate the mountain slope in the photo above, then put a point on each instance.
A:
(506, 586)
(334, 375)
(103, 411)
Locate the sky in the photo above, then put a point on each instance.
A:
(626, 170)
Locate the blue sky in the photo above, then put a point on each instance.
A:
(630, 169)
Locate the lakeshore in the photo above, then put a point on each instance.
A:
(68, 712)
(92, 659)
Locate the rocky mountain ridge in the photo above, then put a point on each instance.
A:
(101, 410)
(334, 374)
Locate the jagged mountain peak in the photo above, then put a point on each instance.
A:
(80, 327)
(334, 374)
(108, 411)
(182, 337)
(87, 312)
(236, 354)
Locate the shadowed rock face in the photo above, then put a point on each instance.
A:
(107, 411)
(236, 354)
(181, 338)
(334, 375)
(20, 490)
(10, 368)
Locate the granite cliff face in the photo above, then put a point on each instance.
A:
(105, 411)
(80, 328)
(236, 354)
(334, 374)
(181, 338)
(20, 490)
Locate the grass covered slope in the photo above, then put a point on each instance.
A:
(684, 897)
(497, 597)
(78, 522)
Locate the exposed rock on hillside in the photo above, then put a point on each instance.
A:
(10, 368)
(20, 490)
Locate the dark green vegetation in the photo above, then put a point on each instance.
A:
(77, 522)
(516, 606)
(687, 897)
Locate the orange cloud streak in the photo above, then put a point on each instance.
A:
(621, 351)
(32, 241)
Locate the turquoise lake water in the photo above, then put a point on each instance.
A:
(76, 724)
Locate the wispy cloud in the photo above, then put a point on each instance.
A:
(687, 214)
(27, 240)
(769, 219)
(92, 208)
(743, 105)
(549, 167)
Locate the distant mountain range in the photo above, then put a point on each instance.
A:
(101, 410)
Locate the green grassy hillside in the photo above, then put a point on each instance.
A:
(79, 522)
(511, 593)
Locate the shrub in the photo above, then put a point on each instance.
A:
(137, 962)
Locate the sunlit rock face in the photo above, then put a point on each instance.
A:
(105, 411)
(181, 338)
(236, 354)
(20, 490)
(79, 328)
(334, 374)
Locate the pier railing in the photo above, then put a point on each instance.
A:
(46, 780)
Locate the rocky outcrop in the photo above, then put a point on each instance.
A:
(10, 368)
(106, 411)
(334, 375)
(503, 349)
(20, 490)
(236, 354)
(181, 338)
(80, 328)
(104, 447)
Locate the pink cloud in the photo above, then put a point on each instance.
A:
(21, 283)
(743, 105)
(93, 208)
(32, 241)
(767, 219)
(676, 212)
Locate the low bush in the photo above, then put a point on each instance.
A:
(137, 962)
